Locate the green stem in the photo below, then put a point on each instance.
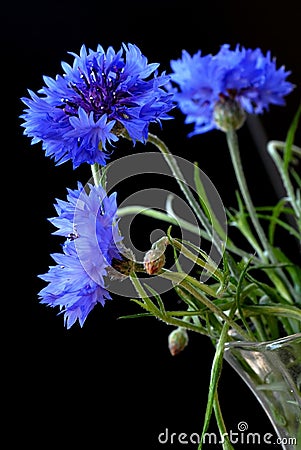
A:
(158, 314)
(289, 311)
(182, 280)
(226, 443)
(185, 225)
(210, 234)
(96, 174)
(278, 278)
(239, 172)
(171, 161)
(136, 209)
(212, 269)
(216, 370)
(272, 146)
(259, 329)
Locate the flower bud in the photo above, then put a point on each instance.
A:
(177, 340)
(153, 261)
(228, 114)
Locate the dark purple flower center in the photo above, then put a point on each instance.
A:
(98, 92)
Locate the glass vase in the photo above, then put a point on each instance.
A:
(272, 370)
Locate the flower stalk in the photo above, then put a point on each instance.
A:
(267, 254)
(96, 174)
(176, 171)
(240, 176)
(216, 370)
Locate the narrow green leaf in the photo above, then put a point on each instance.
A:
(281, 223)
(226, 442)
(158, 298)
(290, 139)
(268, 290)
(135, 316)
(277, 210)
(216, 370)
(204, 201)
(238, 296)
(275, 309)
(296, 177)
(201, 191)
(171, 241)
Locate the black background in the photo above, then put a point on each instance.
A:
(113, 383)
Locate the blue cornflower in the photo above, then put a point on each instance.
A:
(245, 78)
(76, 283)
(77, 114)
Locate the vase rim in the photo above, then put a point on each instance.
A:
(266, 345)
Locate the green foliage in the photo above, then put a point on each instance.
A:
(254, 294)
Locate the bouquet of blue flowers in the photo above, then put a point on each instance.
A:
(245, 287)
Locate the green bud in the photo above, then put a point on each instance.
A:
(228, 114)
(177, 340)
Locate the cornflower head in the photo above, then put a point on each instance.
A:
(217, 91)
(88, 221)
(102, 95)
